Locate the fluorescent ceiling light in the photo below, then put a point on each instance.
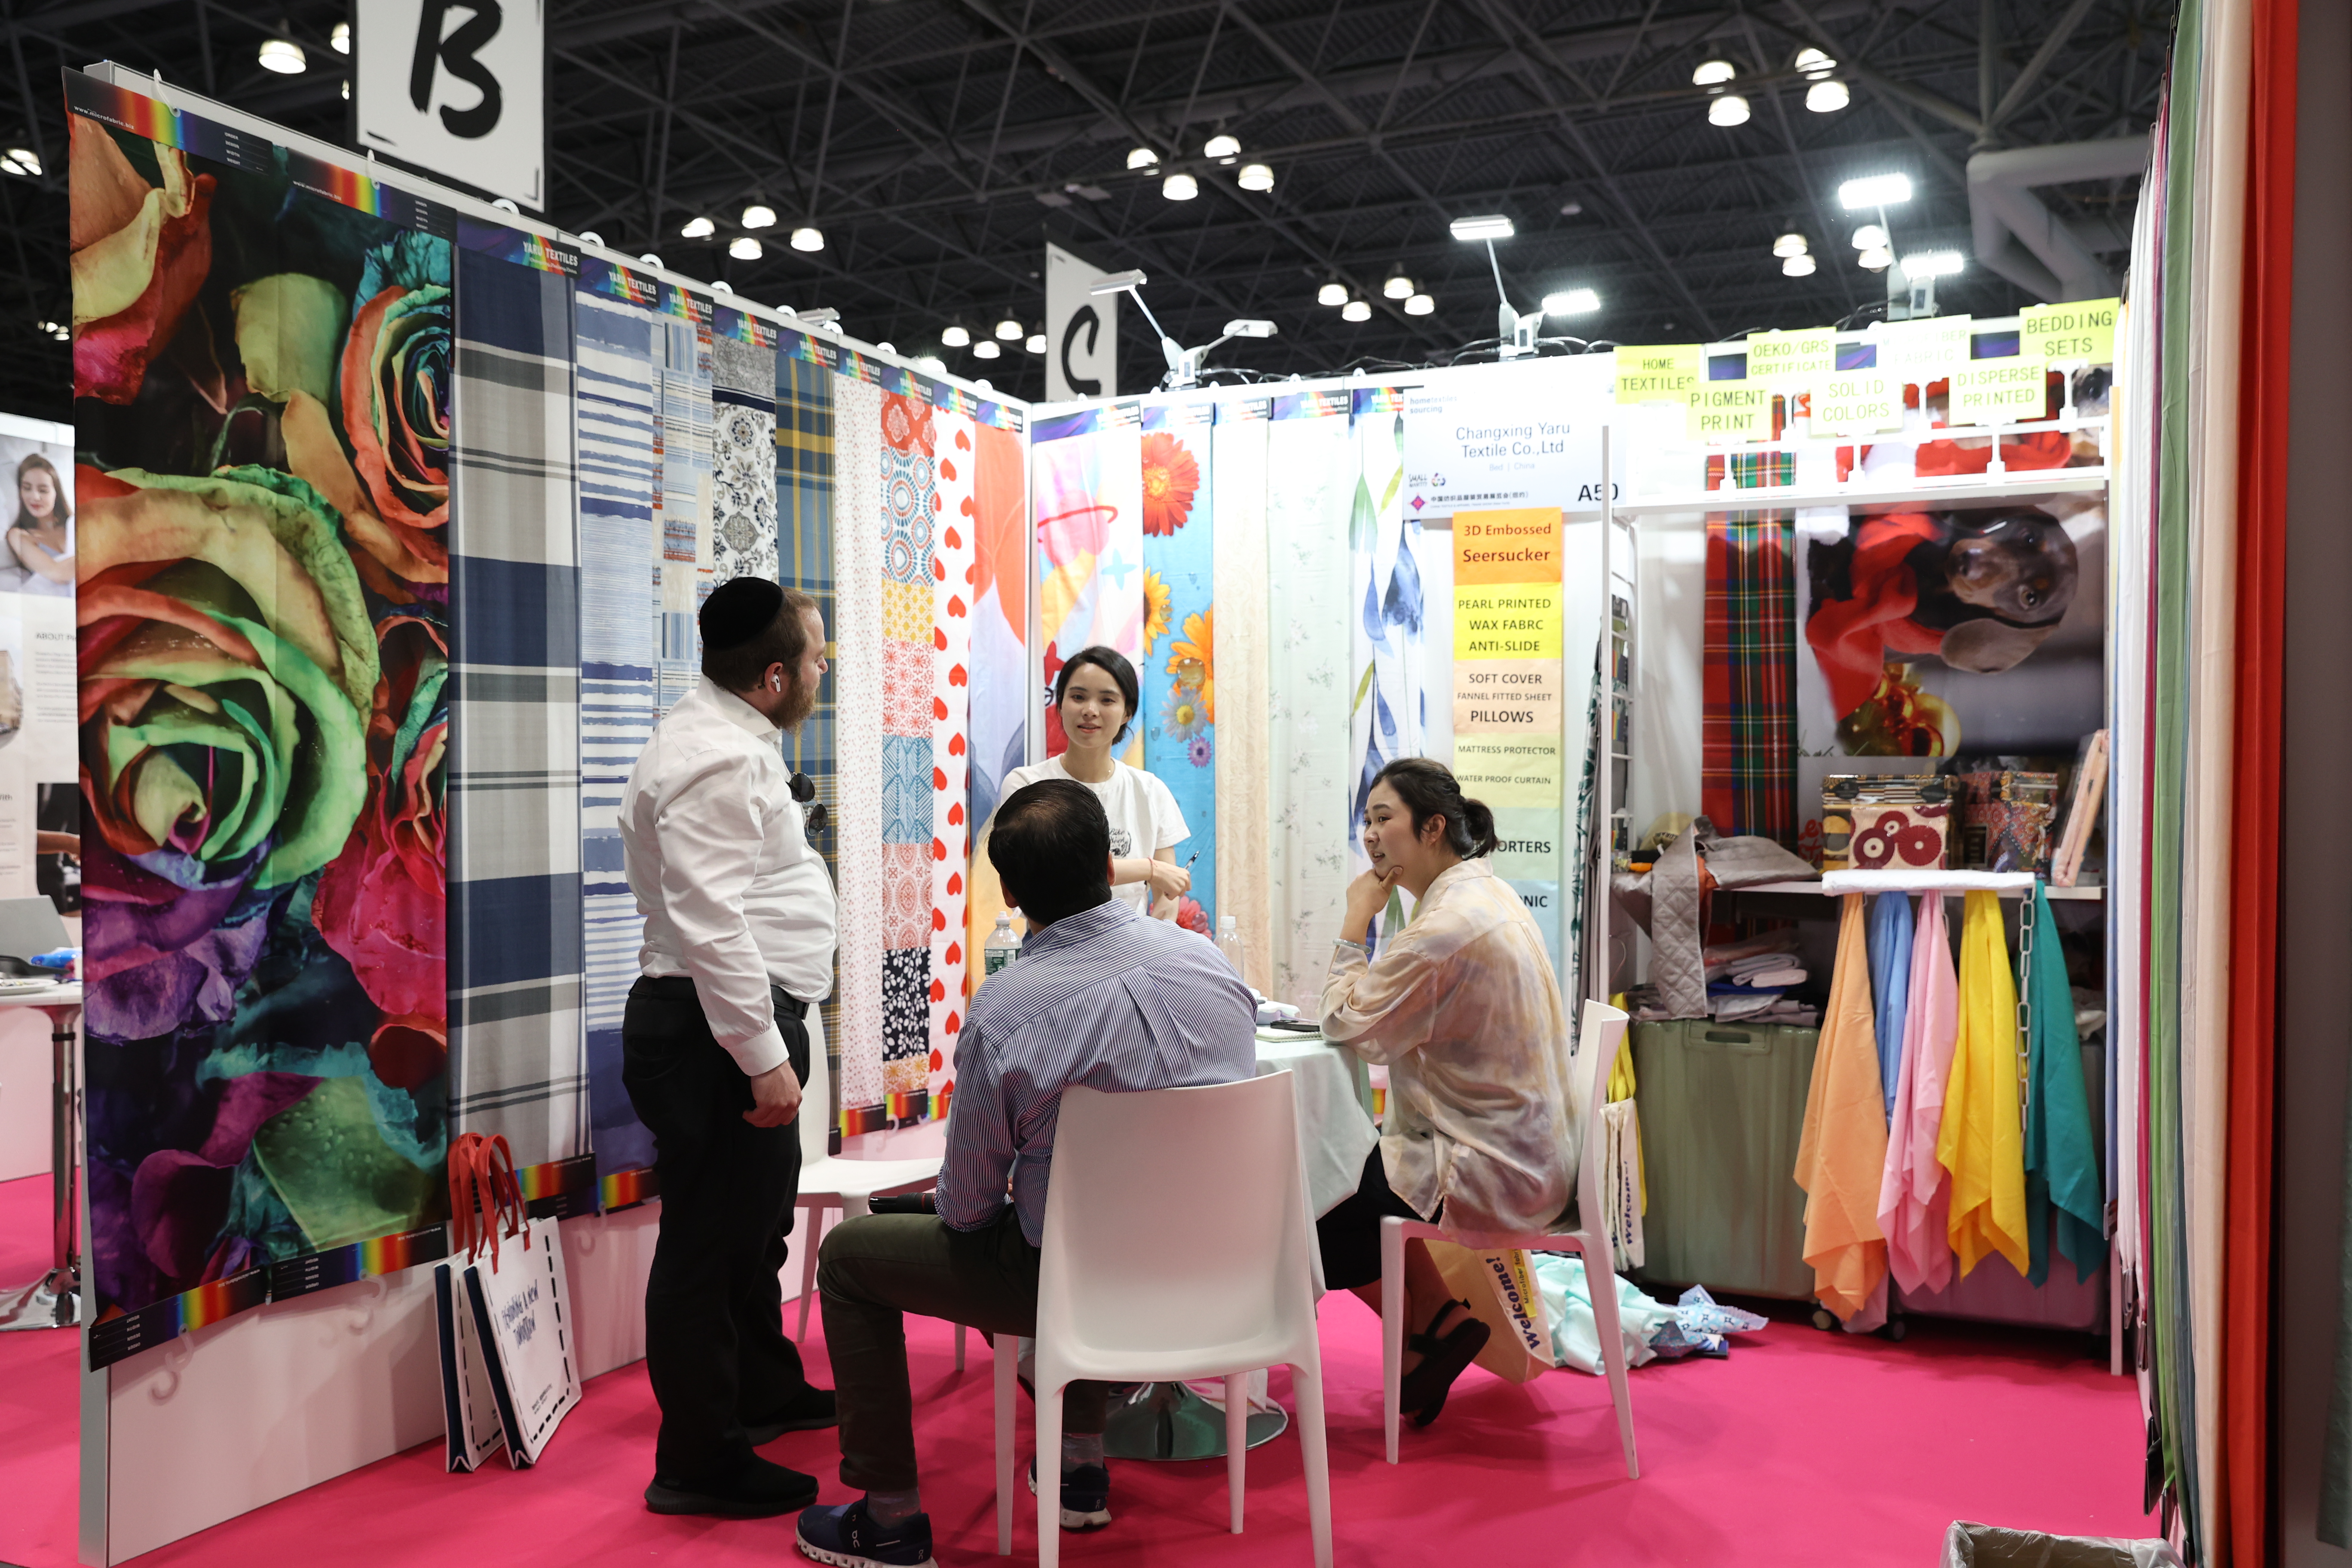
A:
(1398, 287)
(744, 247)
(1877, 258)
(759, 215)
(1933, 264)
(1811, 60)
(1869, 236)
(1221, 146)
(283, 55)
(985, 349)
(1572, 302)
(1827, 96)
(956, 335)
(1729, 109)
(1875, 191)
(1011, 331)
(808, 238)
(1118, 282)
(1255, 177)
(339, 40)
(1797, 266)
(1037, 343)
(1250, 327)
(1790, 244)
(1180, 187)
(1142, 158)
(1713, 73)
(58, 330)
(1331, 294)
(1485, 226)
(1356, 310)
(697, 228)
(1420, 305)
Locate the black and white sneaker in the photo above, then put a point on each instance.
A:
(1086, 1496)
(846, 1536)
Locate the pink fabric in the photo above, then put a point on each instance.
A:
(1915, 1197)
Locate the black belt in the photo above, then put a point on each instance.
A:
(682, 985)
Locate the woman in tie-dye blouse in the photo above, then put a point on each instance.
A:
(1462, 1007)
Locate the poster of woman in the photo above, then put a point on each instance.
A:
(40, 842)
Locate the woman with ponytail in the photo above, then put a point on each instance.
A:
(1463, 1009)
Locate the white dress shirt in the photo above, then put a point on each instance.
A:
(731, 892)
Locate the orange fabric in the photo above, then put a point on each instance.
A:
(2246, 1530)
(1851, 637)
(1841, 1156)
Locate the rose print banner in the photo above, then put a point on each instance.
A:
(264, 414)
(1178, 669)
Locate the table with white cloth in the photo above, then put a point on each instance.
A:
(1332, 1092)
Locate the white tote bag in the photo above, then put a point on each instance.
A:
(522, 1315)
(467, 1390)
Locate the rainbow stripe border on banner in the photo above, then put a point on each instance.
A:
(559, 1189)
(628, 1189)
(843, 360)
(614, 281)
(160, 1323)
(1312, 405)
(726, 321)
(359, 1260)
(524, 247)
(1378, 400)
(895, 1111)
(683, 304)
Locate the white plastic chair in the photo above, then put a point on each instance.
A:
(1603, 1030)
(849, 1186)
(1177, 1246)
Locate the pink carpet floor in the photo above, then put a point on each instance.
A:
(1802, 1447)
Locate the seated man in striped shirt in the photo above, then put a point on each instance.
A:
(1100, 997)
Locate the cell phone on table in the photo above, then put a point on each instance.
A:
(1294, 1025)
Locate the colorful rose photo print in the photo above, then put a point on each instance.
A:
(263, 423)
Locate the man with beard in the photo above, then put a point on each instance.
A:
(716, 1041)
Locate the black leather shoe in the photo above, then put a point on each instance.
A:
(812, 1412)
(759, 1490)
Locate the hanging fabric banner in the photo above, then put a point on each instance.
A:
(1089, 480)
(1178, 669)
(1388, 713)
(805, 485)
(682, 379)
(954, 569)
(1237, 484)
(859, 738)
(1002, 665)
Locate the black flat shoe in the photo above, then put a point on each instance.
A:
(761, 1490)
(812, 1412)
(1442, 1361)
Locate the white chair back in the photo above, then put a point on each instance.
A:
(1176, 1226)
(815, 1118)
(1599, 1036)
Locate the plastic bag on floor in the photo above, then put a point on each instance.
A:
(1969, 1545)
(1575, 1341)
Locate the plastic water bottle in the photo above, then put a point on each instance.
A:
(1229, 941)
(1003, 945)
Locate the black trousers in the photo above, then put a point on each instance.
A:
(715, 1344)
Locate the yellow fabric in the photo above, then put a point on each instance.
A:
(1982, 1143)
(1622, 1086)
(1841, 1155)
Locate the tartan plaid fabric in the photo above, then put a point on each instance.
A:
(805, 557)
(516, 1057)
(1749, 735)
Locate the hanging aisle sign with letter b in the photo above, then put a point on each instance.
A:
(458, 87)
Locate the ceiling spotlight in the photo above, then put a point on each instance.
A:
(650, 259)
(807, 238)
(1877, 258)
(1869, 236)
(1255, 177)
(1180, 187)
(1729, 109)
(1011, 331)
(1356, 310)
(1485, 226)
(1933, 264)
(697, 228)
(1035, 343)
(1572, 209)
(744, 247)
(956, 335)
(283, 55)
(1142, 158)
(58, 330)
(1420, 305)
(1331, 294)
(985, 349)
(1827, 96)
(759, 214)
(931, 364)
(21, 160)
(347, 90)
(1791, 244)
(1223, 147)
(1118, 282)
(1398, 287)
(1250, 327)
(1797, 266)
(1572, 302)
(1813, 62)
(590, 236)
(1713, 73)
(1875, 191)
(339, 40)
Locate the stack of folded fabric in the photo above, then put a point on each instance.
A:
(1749, 980)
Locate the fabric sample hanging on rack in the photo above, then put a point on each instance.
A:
(1914, 1198)
(952, 568)
(517, 1066)
(1178, 669)
(1089, 473)
(1237, 480)
(1981, 1141)
(858, 732)
(1387, 670)
(1002, 670)
(742, 446)
(909, 535)
(1890, 981)
(682, 378)
(804, 481)
(1748, 732)
(2062, 1166)
(1842, 1154)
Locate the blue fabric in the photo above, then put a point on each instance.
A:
(1888, 938)
(1107, 998)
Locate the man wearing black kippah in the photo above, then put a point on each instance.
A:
(716, 1042)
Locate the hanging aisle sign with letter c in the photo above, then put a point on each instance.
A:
(1081, 330)
(457, 87)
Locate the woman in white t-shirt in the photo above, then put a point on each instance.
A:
(1096, 695)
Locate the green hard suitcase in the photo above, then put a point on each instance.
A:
(1722, 1107)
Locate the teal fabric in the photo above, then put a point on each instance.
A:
(2062, 1163)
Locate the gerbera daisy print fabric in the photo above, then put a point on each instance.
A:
(1178, 669)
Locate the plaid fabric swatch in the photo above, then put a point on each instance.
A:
(515, 968)
(1749, 728)
(804, 547)
(619, 641)
(858, 732)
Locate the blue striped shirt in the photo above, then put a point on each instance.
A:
(1107, 998)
